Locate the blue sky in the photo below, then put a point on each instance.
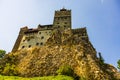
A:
(101, 17)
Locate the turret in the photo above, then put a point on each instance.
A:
(62, 19)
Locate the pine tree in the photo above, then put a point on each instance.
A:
(118, 64)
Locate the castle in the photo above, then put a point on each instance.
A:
(57, 45)
(38, 37)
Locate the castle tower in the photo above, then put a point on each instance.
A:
(62, 19)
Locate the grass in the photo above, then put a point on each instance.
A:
(59, 77)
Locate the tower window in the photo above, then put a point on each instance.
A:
(65, 18)
(28, 40)
(58, 23)
(41, 43)
(65, 22)
(42, 37)
(23, 47)
(58, 18)
(23, 40)
(29, 46)
(37, 44)
(64, 26)
(39, 32)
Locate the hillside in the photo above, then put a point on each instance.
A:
(60, 50)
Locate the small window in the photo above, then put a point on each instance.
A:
(65, 17)
(39, 32)
(58, 23)
(23, 47)
(65, 22)
(29, 46)
(37, 44)
(23, 40)
(41, 43)
(42, 37)
(58, 26)
(58, 18)
(83, 63)
(28, 40)
(64, 26)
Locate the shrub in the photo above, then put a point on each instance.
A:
(65, 70)
(9, 70)
(2, 53)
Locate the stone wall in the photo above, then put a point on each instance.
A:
(19, 38)
(35, 39)
(72, 51)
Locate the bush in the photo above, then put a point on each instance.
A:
(68, 71)
(9, 70)
(65, 70)
(2, 53)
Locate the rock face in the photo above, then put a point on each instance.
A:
(63, 49)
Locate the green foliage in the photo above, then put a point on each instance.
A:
(65, 70)
(59, 77)
(118, 64)
(82, 78)
(2, 53)
(9, 70)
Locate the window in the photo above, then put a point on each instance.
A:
(65, 18)
(23, 40)
(28, 40)
(58, 26)
(64, 26)
(42, 37)
(58, 18)
(39, 32)
(58, 23)
(23, 47)
(29, 46)
(37, 44)
(65, 22)
(41, 43)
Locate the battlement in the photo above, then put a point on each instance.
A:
(80, 31)
(45, 27)
(62, 13)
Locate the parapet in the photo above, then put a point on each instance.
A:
(45, 27)
(81, 31)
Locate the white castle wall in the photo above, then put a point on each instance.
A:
(35, 39)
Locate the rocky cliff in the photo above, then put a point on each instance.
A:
(60, 50)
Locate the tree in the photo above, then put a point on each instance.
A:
(101, 58)
(118, 64)
(2, 53)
